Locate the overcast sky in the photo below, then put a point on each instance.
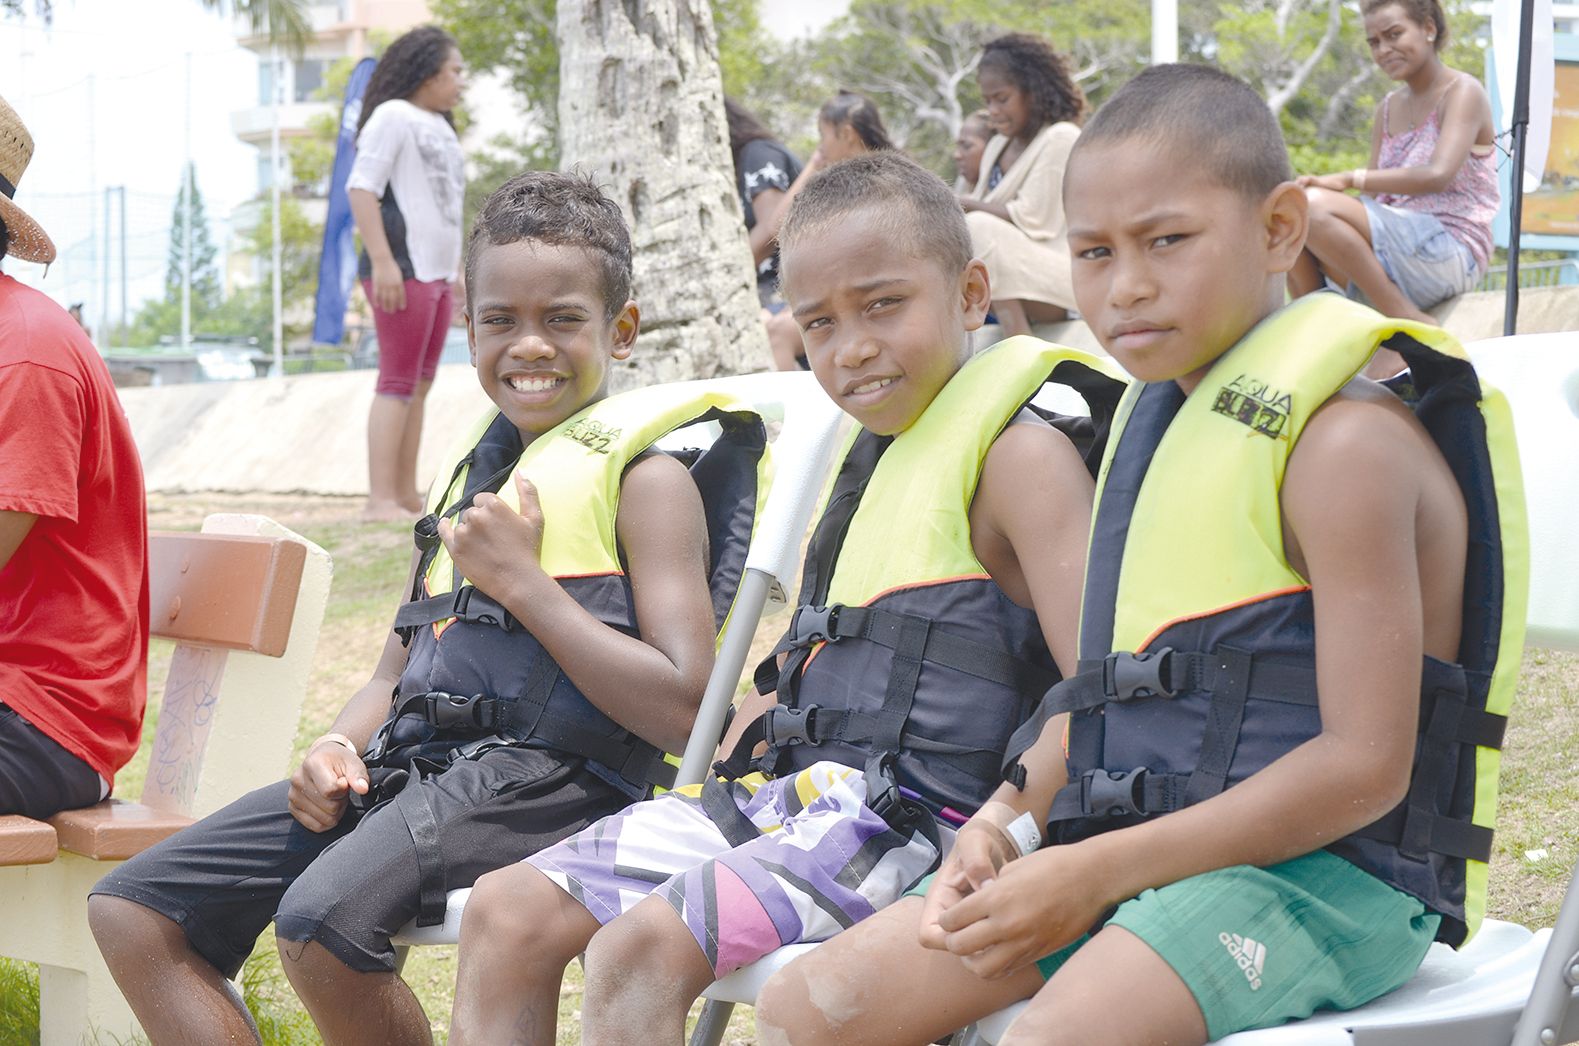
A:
(103, 91)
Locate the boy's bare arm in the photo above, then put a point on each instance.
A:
(1036, 497)
(331, 769)
(650, 685)
(1351, 497)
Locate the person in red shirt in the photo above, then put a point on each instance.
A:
(73, 541)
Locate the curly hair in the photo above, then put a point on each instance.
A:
(1031, 64)
(406, 65)
(850, 108)
(1417, 11)
(561, 210)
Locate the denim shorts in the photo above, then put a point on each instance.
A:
(1419, 255)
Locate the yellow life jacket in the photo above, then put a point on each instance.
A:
(473, 671)
(1197, 639)
(905, 658)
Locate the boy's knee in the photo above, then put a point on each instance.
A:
(122, 927)
(514, 905)
(640, 940)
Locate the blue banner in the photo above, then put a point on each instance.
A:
(337, 260)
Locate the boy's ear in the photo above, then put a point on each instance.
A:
(627, 324)
(471, 337)
(975, 294)
(1286, 214)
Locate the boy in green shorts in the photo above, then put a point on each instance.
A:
(1231, 847)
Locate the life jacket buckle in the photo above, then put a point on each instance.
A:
(1126, 676)
(883, 796)
(1109, 794)
(457, 711)
(790, 726)
(813, 625)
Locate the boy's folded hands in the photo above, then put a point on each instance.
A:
(1000, 912)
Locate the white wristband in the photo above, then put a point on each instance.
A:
(339, 739)
(1024, 833)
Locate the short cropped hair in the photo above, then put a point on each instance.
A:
(923, 213)
(562, 210)
(1205, 118)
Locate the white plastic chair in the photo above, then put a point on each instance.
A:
(1508, 985)
(803, 452)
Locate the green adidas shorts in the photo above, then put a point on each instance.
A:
(1261, 946)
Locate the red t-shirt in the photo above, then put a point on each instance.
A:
(74, 595)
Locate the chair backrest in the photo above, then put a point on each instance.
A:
(242, 600)
(1539, 373)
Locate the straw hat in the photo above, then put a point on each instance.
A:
(28, 241)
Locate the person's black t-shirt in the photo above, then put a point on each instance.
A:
(764, 164)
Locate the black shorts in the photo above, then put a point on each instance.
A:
(352, 887)
(39, 778)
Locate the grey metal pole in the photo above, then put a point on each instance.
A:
(720, 693)
(1552, 996)
(1520, 128)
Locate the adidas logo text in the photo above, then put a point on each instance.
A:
(1250, 955)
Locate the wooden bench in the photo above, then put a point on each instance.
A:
(243, 601)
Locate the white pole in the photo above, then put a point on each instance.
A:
(1164, 31)
(187, 178)
(101, 312)
(274, 196)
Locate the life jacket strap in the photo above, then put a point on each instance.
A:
(527, 718)
(1123, 676)
(818, 624)
(467, 603)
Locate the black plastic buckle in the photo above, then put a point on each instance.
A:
(425, 532)
(1108, 794)
(1126, 676)
(814, 625)
(883, 797)
(451, 711)
(790, 726)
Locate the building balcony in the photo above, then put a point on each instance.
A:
(255, 125)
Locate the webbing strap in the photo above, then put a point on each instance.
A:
(718, 803)
(885, 627)
(1165, 673)
(1226, 715)
(466, 603)
(412, 802)
(1449, 836)
(888, 729)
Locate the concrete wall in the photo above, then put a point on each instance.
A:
(308, 433)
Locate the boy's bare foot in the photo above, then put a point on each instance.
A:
(414, 502)
(382, 511)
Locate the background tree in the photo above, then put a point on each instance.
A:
(641, 108)
(205, 275)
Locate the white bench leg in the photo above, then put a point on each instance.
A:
(77, 1006)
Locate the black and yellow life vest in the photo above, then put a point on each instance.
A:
(472, 670)
(905, 658)
(1197, 638)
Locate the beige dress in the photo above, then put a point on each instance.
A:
(1027, 258)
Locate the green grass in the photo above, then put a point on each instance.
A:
(1539, 808)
